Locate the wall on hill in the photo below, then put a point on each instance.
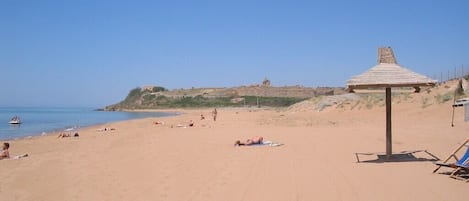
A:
(289, 91)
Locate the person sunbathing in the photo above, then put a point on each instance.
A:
(106, 129)
(252, 141)
(5, 153)
(62, 135)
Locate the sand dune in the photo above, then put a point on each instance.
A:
(144, 161)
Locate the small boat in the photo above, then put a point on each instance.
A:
(15, 120)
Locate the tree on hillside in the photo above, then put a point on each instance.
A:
(159, 89)
(134, 94)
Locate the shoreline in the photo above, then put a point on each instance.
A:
(176, 112)
(56, 131)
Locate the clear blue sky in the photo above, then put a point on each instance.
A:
(91, 53)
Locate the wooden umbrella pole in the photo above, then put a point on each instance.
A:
(387, 74)
(388, 124)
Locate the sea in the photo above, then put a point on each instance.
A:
(43, 120)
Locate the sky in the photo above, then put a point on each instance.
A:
(92, 53)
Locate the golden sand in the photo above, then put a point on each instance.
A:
(144, 161)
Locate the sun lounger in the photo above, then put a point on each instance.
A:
(461, 166)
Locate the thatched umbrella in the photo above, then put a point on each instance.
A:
(388, 74)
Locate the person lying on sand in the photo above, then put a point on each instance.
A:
(5, 154)
(106, 129)
(252, 141)
(62, 135)
(191, 124)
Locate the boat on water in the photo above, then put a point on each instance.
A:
(15, 120)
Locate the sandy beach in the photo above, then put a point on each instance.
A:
(143, 161)
(321, 86)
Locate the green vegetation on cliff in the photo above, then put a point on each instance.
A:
(152, 99)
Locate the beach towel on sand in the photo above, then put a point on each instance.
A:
(268, 143)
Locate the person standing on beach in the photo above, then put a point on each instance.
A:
(214, 114)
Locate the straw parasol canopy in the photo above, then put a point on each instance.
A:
(388, 74)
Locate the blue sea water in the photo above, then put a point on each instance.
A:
(36, 120)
